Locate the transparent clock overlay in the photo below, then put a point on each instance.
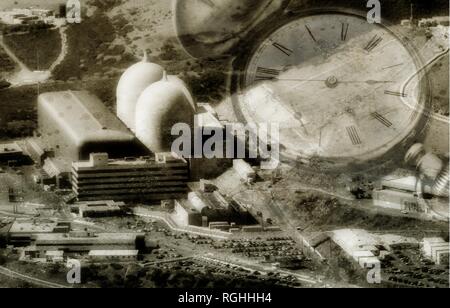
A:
(341, 89)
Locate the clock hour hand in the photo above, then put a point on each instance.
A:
(370, 82)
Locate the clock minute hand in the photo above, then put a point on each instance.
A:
(324, 80)
(370, 81)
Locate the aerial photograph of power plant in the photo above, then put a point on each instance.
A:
(202, 145)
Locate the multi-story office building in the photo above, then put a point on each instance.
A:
(162, 177)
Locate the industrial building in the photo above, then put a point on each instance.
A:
(210, 209)
(113, 255)
(398, 200)
(149, 103)
(244, 170)
(76, 123)
(161, 106)
(22, 231)
(99, 208)
(27, 16)
(436, 249)
(185, 215)
(10, 153)
(106, 156)
(157, 178)
(83, 242)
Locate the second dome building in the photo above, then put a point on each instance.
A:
(162, 105)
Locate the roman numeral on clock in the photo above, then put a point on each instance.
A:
(353, 135)
(381, 119)
(374, 42)
(263, 73)
(310, 33)
(344, 31)
(288, 52)
(387, 92)
(268, 71)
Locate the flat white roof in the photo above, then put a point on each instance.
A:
(115, 253)
(83, 116)
(6, 148)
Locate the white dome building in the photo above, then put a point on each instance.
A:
(162, 105)
(131, 85)
(184, 88)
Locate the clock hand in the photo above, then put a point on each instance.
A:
(324, 80)
(209, 3)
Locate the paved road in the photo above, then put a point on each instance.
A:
(25, 76)
(12, 55)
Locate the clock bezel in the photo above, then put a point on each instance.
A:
(414, 132)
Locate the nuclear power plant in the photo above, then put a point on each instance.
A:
(75, 129)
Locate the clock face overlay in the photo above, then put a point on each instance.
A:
(339, 88)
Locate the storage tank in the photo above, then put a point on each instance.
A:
(131, 85)
(176, 80)
(162, 105)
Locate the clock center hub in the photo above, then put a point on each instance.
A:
(332, 82)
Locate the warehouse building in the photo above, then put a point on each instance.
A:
(99, 209)
(76, 123)
(210, 209)
(161, 177)
(22, 231)
(84, 242)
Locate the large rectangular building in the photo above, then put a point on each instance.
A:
(76, 123)
(161, 177)
(88, 242)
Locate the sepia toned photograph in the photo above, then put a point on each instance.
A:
(209, 147)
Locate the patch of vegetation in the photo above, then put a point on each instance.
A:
(111, 276)
(439, 81)
(209, 86)
(105, 4)
(91, 51)
(322, 212)
(36, 49)
(11, 29)
(6, 63)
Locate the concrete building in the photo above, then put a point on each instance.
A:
(211, 209)
(436, 249)
(83, 242)
(26, 16)
(37, 151)
(162, 177)
(131, 85)
(206, 122)
(75, 124)
(22, 231)
(54, 256)
(244, 170)
(185, 215)
(434, 21)
(99, 208)
(10, 152)
(161, 106)
(397, 200)
(113, 255)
